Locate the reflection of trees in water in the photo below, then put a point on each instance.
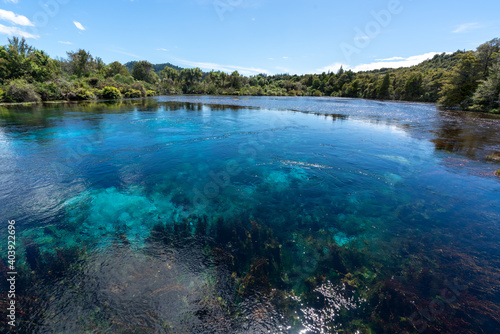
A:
(472, 134)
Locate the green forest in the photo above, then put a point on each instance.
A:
(464, 80)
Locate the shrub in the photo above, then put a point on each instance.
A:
(150, 93)
(140, 87)
(124, 79)
(111, 93)
(85, 94)
(130, 93)
(49, 91)
(93, 81)
(21, 91)
(81, 94)
(317, 93)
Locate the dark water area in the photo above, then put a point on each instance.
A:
(197, 214)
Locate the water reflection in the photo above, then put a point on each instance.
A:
(474, 135)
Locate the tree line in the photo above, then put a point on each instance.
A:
(465, 80)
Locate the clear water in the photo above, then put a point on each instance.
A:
(252, 215)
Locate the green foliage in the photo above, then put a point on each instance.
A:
(191, 76)
(19, 60)
(170, 73)
(124, 79)
(140, 87)
(466, 80)
(82, 94)
(413, 89)
(156, 67)
(14, 62)
(19, 90)
(236, 80)
(111, 93)
(49, 91)
(41, 67)
(143, 71)
(461, 83)
(487, 95)
(383, 92)
(116, 68)
(130, 92)
(486, 54)
(82, 64)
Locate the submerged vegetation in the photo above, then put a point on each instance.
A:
(285, 247)
(463, 80)
(212, 270)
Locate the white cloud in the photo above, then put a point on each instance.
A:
(284, 57)
(79, 25)
(332, 68)
(224, 68)
(405, 62)
(162, 49)
(14, 18)
(11, 1)
(15, 31)
(393, 62)
(466, 27)
(390, 59)
(63, 42)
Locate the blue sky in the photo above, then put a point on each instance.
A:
(252, 36)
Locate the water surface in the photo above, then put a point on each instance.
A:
(252, 215)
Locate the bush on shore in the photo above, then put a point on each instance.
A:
(19, 90)
(111, 93)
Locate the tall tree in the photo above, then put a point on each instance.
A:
(383, 91)
(486, 53)
(214, 77)
(116, 68)
(223, 77)
(462, 83)
(143, 71)
(191, 75)
(42, 67)
(14, 62)
(487, 95)
(413, 89)
(82, 63)
(235, 80)
(169, 73)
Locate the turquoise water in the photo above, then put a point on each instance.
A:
(222, 215)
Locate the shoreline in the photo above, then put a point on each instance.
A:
(29, 104)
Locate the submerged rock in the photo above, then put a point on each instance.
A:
(495, 156)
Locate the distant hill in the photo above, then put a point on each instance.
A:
(157, 67)
(443, 61)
